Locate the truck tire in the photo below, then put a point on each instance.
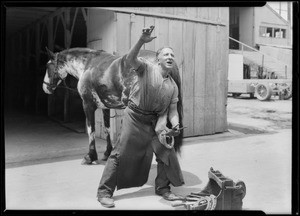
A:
(242, 186)
(263, 92)
(287, 93)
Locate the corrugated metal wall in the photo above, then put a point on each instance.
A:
(199, 37)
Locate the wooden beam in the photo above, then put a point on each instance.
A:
(26, 69)
(74, 19)
(56, 27)
(161, 15)
(67, 26)
(37, 63)
(27, 50)
(61, 17)
(43, 31)
(84, 13)
(20, 72)
(51, 101)
(44, 19)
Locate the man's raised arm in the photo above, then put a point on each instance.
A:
(132, 56)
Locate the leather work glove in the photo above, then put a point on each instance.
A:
(166, 140)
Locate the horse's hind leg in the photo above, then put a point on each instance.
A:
(89, 109)
(106, 118)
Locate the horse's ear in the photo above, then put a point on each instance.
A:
(50, 53)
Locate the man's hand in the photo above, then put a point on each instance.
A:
(146, 35)
(175, 131)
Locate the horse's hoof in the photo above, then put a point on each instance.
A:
(97, 161)
(86, 161)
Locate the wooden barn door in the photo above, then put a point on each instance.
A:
(204, 76)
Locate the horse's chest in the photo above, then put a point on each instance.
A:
(87, 91)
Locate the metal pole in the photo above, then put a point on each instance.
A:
(285, 67)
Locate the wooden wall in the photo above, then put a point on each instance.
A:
(199, 37)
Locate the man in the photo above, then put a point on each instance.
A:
(152, 102)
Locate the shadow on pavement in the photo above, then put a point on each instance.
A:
(189, 178)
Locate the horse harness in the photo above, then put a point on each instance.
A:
(55, 74)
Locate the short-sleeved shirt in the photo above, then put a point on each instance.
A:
(151, 91)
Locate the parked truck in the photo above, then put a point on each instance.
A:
(240, 82)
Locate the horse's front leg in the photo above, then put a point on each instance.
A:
(92, 156)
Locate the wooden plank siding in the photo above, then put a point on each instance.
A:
(219, 92)
(149, 21)
(162, 33)
(199, 81)
(188, 75)
(175, 40)
(124, 31)
(201, 52)
(210, 81)
(137, 23)
(223, 72)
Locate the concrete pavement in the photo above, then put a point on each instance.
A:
(262, 161)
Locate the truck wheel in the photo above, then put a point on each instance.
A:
(263, 92)
(236, 95)
(287, 93)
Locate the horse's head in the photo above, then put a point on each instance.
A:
(52, 77)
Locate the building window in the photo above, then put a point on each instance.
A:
(269, 32)
(279, 33)
(262, 31)
(283, 33)
(281, 8)
(272, 32)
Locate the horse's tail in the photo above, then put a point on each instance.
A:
(176, 77)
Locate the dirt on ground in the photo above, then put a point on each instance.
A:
(273, 115)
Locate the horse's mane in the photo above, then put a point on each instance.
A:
(83, 51)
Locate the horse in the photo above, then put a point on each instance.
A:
(104, 81)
